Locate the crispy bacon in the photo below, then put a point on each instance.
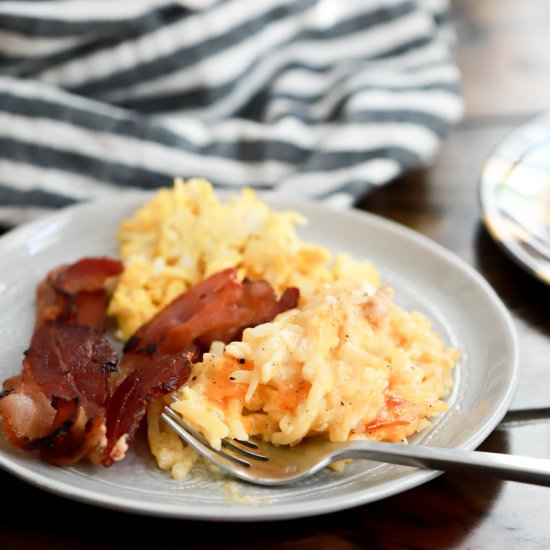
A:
(67, 361)
(73, 435)
(154, 375)
(76, 293)
(218, 308)
(57, 404)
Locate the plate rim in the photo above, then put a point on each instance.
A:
(285, 510)
(487, 209)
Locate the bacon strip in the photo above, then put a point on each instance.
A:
(76, 293)
(218, 308)
(68, 361)
(57, 404)
(152, 377)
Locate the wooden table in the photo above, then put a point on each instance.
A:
(503, 52)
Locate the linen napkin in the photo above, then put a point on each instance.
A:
(319, 99)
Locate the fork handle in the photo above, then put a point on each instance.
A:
(510, 467)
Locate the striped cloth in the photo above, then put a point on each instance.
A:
(312, 98)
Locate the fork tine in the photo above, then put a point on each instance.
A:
(235, 445)
(245, 452)
(248, 443)
(197, 441)
(267, 466)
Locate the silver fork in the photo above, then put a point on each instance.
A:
(265, 464)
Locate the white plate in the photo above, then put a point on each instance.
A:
(515, 196)
(426, 277)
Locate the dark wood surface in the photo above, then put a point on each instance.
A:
(503, 50)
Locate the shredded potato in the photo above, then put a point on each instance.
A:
(347, 363)
(323, 369)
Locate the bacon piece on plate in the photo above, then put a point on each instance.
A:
(218, 308)
(76, 293)
(57, 404)
(70, 361)
(153, 376)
